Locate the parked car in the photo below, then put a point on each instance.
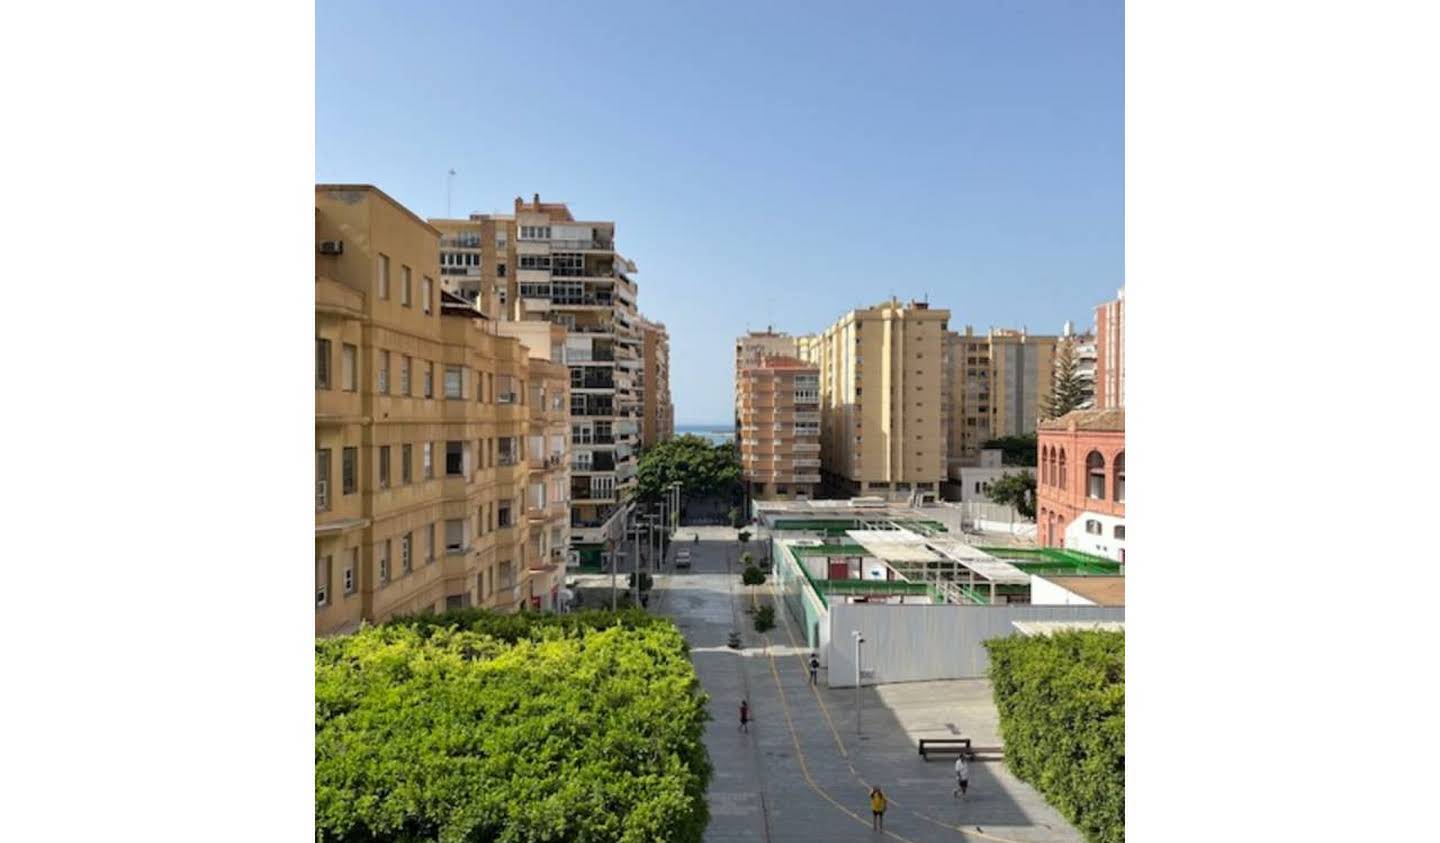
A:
(682, 558)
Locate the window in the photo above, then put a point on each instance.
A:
(1120, 531)
(404, 286)
(429, 543)
(322, 480)
(428, 456)
(500, 270)
(455, 535)
(427, 288)
(1062, 469)
(348, 459)
(509, 454)
(429, 379)
(384, 373)
(1095, 473)
(383, 280)
(507, 390)
(504, 514)
(384, 466)
(977, 488)
(347, 368)
(454, 382)
(454, 459)
(350, 570)
(1118, 485)
(322, 582)
(405, 553)
(384, 561)
(1093, 527)
(405, 375)
(322, 363)
(407, 457)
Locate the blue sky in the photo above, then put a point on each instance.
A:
(765, 162)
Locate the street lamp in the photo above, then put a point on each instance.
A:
(858, 641)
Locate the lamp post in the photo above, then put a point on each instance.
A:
(858, 641)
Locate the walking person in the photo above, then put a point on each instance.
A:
(814, 666)
(962, 775)
(877, 809)
(745, 717)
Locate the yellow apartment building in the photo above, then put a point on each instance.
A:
(998, 385)
(658, 423)
(883, 400)
(421, 428)
(779, 414)
(541, 265)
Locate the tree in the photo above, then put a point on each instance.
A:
(765, 619)
(1066, 391)
(701, 469)
(1015, 450)
(1017, 490)
(752, 576)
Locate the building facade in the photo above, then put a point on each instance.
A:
(658, 422)
(883, 400)
(753, 347)
(998, 384)
(540, 264)
(1110, 353)
(1080, 485)
(420, 427)
(779, 413)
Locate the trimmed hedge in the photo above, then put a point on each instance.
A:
(1062, 716)
(471, 726)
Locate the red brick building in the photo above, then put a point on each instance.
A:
(1081, 472)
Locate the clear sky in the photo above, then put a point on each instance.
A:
(764, 162)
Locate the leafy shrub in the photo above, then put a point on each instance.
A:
(747, 558)
(471, 726)
(743, 536)
(1062, 715)
(764, 618)
(752, 576)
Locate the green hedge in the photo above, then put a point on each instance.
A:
(1062, 716)
(471, 726)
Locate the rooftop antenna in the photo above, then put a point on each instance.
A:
(449, 178)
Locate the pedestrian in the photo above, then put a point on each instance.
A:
(877, 809)
(697, 538)
(814, 666)
(745, 717)
(962, 775)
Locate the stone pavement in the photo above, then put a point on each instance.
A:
(802, 773)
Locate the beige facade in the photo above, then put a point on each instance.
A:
(659, 413)
(884, 399)
(998, 385)
(541, 265)
(750, 350)
(421, 423)
(779, 415)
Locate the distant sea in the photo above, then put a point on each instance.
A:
(716, 433)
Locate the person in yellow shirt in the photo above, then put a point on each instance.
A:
(877, 809)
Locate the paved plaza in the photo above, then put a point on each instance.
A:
(803, 773)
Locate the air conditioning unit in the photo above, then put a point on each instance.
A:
(332, 247)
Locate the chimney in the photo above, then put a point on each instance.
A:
(537, 201)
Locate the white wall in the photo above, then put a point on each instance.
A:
(1046, 593)
(969, 475)
(1105, 544)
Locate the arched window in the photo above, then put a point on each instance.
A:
(1062, 468)
(1044, 466)
(1095, 476)
(1118, 484)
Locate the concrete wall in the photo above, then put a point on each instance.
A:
(1105, 544)
(921, 643)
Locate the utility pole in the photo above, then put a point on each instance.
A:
(449, 178)
(858, 641)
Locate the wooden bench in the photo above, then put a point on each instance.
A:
(944, 745)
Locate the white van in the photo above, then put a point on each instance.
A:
(682, 558)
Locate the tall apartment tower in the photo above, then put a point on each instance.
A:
(750, 350)
(658, 423)
(780, 415)
(1110, 354)
(421, 416)
(540, 264)
(998, 386)
(883, 400)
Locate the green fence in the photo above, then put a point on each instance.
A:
(1055, 561)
